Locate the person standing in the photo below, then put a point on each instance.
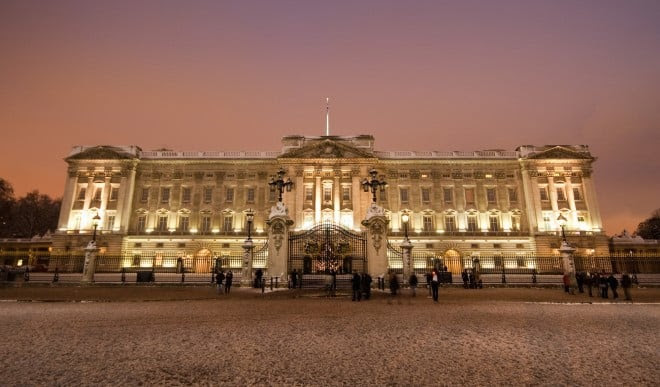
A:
(464, 276)
(428, 282)
(614, 284)
(229, 278)
(366, 285)
(356, 283)
(294, 279)
(588, 280)
(413, 284)
(602, 284)
(626, 283)
(257, 281)
(435, 282)
(567, 282)
(218, 279)
(394, 284)
(579, 277)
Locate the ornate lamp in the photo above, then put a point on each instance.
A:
(562, 223)
(374, 184)
(95, 223)
(280, 184)
(249, 215)
(405, 218)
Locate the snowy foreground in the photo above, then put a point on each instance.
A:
(248, 339)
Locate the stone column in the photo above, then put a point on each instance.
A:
(125, 202)
(589, 192)
(246, 276)
(336, 195)
(408, 268)
(317, 197)
(90, 262)
(568, 263)
(69, 196)
(355, 197)
(376, 225)
(530, 189)
(278, 246)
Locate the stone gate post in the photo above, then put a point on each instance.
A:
(376, 224)
(246, 273)
(568, 262)
(279, 224)
(89, 266)
(407, 247)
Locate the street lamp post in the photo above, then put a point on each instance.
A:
(89, 265)
(562, 223)
(280, 184)
(405, 218)
(95, 223)
(249, 215)
(373, 184)
(248, 245)
(566, 252)
(406, 247)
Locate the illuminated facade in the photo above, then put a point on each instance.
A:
(460, 203)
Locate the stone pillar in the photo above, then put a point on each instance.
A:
(568, 262)
(336, 196)
(376, 225)
(278, 246)
(317, 197)
(125, 202)
(530, 188)
(246, 276)
(589, 193)
(90, 262)
(408, 268)
(69, 196)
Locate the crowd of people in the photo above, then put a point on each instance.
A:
(596, 284)
(599, 284)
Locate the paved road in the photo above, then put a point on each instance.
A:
(496, 336)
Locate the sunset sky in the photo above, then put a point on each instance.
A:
(418, 75)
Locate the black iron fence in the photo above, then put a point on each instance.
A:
(162, 267)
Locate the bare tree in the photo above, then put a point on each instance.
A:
(7, 203)
(650, 228)
(35, 214)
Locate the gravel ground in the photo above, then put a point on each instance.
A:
(488, 337)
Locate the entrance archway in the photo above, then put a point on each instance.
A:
(202, 261)
(452, 259)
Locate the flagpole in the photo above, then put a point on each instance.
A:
(327, 116)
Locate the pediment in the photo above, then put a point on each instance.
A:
(561, 152)
(327, 149)
(102, 152)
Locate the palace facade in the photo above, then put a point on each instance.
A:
(459, 203)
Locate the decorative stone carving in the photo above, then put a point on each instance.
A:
(278, 235)
(327, 149)
(377, 230)
(279, 209)
(374, 210)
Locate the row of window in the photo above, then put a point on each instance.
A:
(98, 192)
(561, 194)
(428, 223)
(469, 193)
(162, 223)
(494, 223)
(207, 195)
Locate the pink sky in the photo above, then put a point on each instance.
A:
(418, 75)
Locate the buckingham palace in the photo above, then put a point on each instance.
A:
(327, 190)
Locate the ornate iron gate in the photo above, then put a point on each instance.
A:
(327, 247)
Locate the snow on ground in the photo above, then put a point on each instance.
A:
(247, 339)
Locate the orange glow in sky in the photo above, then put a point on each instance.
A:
(418, 75)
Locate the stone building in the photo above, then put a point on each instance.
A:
(460, 204)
